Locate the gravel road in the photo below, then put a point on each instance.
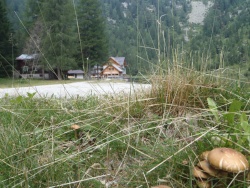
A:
(76, 89)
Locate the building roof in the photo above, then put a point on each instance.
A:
(119, 60)
(27, 57)
(118, 68)
(75, 72)
(113, 65)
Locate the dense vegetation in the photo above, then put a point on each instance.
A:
(135, 26)
(6, 43)
(148, 31)
(225, 34)
(59, 39)
(141, 140)
(64, 42)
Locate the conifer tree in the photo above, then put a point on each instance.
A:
(6, 43)
(92, 33)
(33, 7)
(59, 41)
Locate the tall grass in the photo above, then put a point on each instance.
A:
(136, 140)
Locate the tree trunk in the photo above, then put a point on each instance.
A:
(43, 73)
(59, 73)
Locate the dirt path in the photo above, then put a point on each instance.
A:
(76, 89)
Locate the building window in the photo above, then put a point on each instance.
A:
(25, 69)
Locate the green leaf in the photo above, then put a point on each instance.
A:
(234, 107)
(245, 126)
(17, 100)
(31, 95)
(213, 108)
(244, 123)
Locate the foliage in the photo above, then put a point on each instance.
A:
(237, 123)
(59, 42)
(7, 48)
(148, 137)
(225, 34)
(93, 46)
(14, 7)
(33, 8)
(132, 29)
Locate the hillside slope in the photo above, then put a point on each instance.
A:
(145, 31)
(225, 35)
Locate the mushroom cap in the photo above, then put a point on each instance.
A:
(75, 127)
(203, 184)
(203, 155)
(198, 173)
(206, 167)
(228, 159)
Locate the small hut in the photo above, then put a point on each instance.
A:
(78, 74)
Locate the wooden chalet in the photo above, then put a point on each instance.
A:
(114, 68)
(27, 66)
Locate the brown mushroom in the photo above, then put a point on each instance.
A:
(198, 173)
(75, 128)
(206, 167)
(204, 155)
(228, 159)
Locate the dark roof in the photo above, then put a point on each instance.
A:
(119, 60)
(75, 72)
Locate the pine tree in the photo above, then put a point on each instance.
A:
(31, 43)
(33, 7)
(6, 44)
(92, 33)
(59, 42)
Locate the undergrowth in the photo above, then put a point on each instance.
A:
(139, 140)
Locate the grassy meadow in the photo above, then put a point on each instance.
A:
(138, 140)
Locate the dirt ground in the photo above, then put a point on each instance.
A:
(76, 89)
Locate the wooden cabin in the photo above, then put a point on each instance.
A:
(28, 66)
(114, 68)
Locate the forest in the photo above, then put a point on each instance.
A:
(143, 31)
